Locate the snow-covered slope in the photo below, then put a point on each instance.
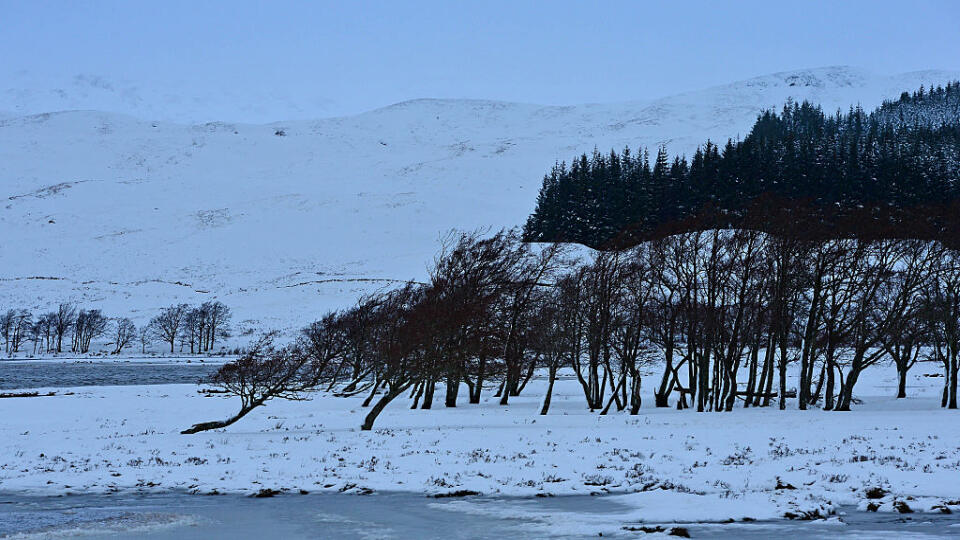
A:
(281, 221)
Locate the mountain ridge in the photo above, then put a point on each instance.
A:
(261, 216)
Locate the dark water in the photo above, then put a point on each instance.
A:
(181, 516)
(48, 374)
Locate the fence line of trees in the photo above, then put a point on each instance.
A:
(720, 314)
(196, 329)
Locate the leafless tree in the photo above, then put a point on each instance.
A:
(267, 372)
(888, 281)
(87, 326)
(941, 315)
(534, 268)
(602, 282)
(47, 326)
(22, 321)
(558, 330)
(398, 332)
(215, 324)
(63, 320)
(144, 336)
(36, 333)
(6, 328)
(469, 280)
(124, 332)
(166, 326)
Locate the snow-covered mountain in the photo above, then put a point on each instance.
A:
(283, 220)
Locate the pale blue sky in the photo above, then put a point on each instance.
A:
(354, 56)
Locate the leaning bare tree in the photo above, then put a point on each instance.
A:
(399, 330)
(267, 372)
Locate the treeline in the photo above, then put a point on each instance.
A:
(893, 173)
(721, 314)
(195, 328)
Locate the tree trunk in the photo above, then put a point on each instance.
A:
(376, 385)
(635, 399)
(828, 395)
(782, 369)
(846, 390)
(205, 426)
(613, 395)
(453, 389)
(901, 382)
(419, 392)
(379, 406)
(428, 395)
(661, 396)
(546, 398)
(954, 369)
(477, 388)
(816, 393)
(505, 391)
(526, 379)
(752, 372)
(475, 391)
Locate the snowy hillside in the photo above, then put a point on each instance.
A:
(281, 221)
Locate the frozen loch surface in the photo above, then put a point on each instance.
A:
(41, 374)
(403, 515)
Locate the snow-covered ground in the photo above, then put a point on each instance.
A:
(282, 221)
(669, 465)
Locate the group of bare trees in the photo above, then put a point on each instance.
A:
(74, 328)
(717, 315)
(196, 328)
(47, 331)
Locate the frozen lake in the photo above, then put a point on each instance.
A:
(56, 374)
(395, 515)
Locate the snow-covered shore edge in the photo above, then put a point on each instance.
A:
(668, 466)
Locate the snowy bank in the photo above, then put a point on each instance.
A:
(666, 465)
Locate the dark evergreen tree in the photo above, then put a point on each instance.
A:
(893, 172)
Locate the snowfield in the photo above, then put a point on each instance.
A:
(282, 221)
(665, 465)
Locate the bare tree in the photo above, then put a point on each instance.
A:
(602, 282)
(534, 268)
(88, 326)
(217, 324)
(941, 314)
(6, 328)
(558, 330)
(468, 281)
(36, 333)
(888, 282)
(124, 332)
(48, 324)
(191, 329)
(267, 372)
(63, 320)
(398, 330)
(145, 336)
(166, 325)
(22, 321)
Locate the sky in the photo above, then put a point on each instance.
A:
(333, 58)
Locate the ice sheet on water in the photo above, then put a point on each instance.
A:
(37, 524)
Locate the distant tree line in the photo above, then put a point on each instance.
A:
(892, 173)
(719, 315)
(196, 329)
